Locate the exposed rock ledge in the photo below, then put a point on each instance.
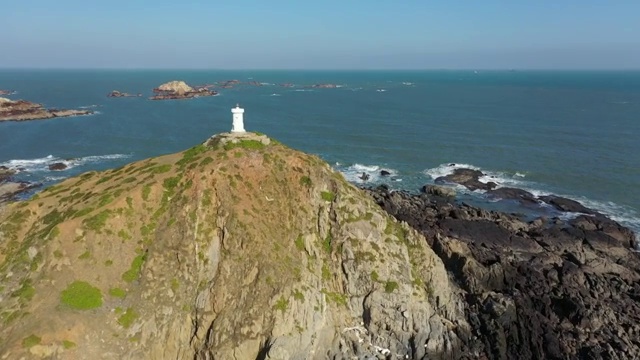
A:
(546, 289)
(22, 110)
(180, 90)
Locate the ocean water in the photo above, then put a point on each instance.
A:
(575, 134)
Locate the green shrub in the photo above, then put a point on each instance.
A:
(127, 319)
(328, 196)
(134, 271)
(80, 295)
(305, 181)
(390, 286)
(30, 341)
(117, 292)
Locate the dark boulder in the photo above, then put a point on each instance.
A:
(57, 166)
(467, 177)
(509, 193)
(436, 190)
(384, 173)
(564, 204)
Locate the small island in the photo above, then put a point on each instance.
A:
(6, 92)
(180, 90)
(117, 94)
(22, 110)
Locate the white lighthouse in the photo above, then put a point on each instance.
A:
(238, 122)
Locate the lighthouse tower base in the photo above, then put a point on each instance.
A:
(232, 138)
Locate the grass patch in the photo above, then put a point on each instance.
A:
(83, 212)
(160, 169)
(337, 298)
(136, 266)
(245, 144)
(117, 292)
(127, 319)
(85, 255)
(390, 286)
(80, 295)
(326, 243)
(299, 242)
(30, 341)
(68, 344)
(326, 273)
(26, 291)
(206, 161)
(328, 196)
(281, 304)
(171, 183)
(146, 190)
(97, 222)
(298, 295)
(190, 154)
(305, 181)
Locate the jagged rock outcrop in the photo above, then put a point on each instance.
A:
(546, 289)
(22, 110)
(236, 249)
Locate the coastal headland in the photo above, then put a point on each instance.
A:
(22, 110)
(243, 248)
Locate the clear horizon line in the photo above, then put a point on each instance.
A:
(317, 69)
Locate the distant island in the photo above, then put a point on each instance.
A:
(116, 93)
(180, 90)
(22, 110)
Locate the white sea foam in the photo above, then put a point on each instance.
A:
(42, 164)
(274, 94)
(447, 169)
(622, 214)
(353, 173)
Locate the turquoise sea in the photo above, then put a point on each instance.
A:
(575, 134)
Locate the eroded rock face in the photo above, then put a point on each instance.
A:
(547, 289)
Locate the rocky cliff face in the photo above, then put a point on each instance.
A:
(546, 289)
(235, 249)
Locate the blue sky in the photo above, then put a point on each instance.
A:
(328, 34)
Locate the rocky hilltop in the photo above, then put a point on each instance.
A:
(239, 248)
(22, 110)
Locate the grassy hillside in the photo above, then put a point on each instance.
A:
(234, 248)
